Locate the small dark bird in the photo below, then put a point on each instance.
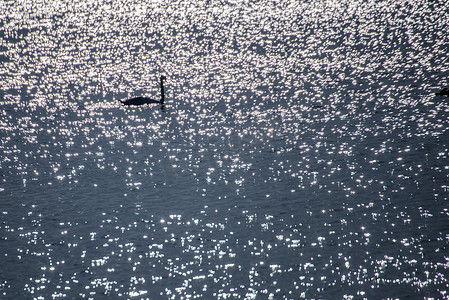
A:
(443, 92)
(146, 100)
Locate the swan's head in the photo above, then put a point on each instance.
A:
(163, 77)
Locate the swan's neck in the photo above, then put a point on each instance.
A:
(162, 91)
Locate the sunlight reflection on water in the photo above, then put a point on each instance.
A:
(302, 152)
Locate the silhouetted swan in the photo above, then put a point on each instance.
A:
(443, 92)
(145, 100)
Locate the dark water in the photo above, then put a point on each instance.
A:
(302, 152)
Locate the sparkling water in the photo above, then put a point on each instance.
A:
(301, 153)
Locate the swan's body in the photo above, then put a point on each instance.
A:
(139, 101)
(443, 92)
(146, 100)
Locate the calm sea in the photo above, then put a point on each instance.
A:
(302, 151)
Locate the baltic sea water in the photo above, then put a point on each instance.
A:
(302, 151)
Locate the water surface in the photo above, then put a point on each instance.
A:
(302, 152)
